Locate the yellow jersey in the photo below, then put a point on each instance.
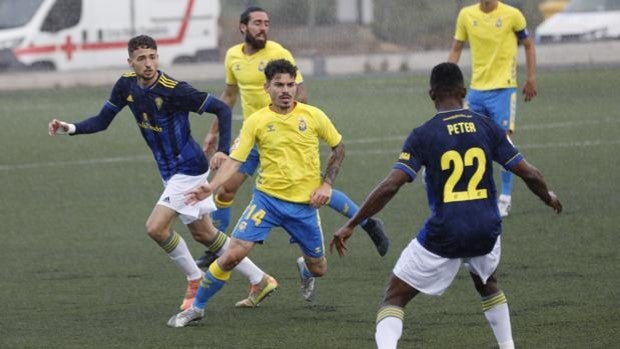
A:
(288, 144)
(493, 44)
(247, 72)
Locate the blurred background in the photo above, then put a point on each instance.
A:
(328, 37)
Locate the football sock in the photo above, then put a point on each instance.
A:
(221, 217)
(341, 203)
(495, 309)
(246, 267)
(506, 177)
(305, 273)
(215, 278)
(177, 250)
(389, 326)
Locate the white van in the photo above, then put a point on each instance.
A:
(85, 34)
(582, 20)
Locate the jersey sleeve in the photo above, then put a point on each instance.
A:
(187, 98)
(409, 160)
(119, 94)
(244, 143)
(460, 32)
(326, 130)
(520, 23)
(504, 152)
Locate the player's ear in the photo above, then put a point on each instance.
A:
(129, 61)
(243, 28)
(431, 94)
(464, 93)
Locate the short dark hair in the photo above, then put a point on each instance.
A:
(280, 66)
(245, 15)
(141, 41)
(447, 79)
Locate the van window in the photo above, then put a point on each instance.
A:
(63, 14)
(593, 5)
(14, 14)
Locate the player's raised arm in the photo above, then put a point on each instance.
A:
(93, 124)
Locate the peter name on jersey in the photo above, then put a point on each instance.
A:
(461, 127)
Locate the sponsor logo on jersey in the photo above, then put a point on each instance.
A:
(129, 99)
(404, 156)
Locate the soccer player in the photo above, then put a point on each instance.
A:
(493, 30)
(289, 189)
(457, 147)
(161, 106)
(244, 65)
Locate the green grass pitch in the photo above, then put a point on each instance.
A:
(78, 271)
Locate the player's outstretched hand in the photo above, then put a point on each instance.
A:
(198, 194)
(340, 240)
(57, 127)
(217, 160)
(321, 195)
(554, 203)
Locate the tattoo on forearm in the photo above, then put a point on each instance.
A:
(333, 164)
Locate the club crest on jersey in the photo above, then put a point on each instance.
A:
(302, 124)
(158, 102)
(262, 65)
(242, 226)
(129, 99)
(498, 24)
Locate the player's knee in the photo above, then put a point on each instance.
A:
(318, 269)
(156, 231)
(488, 288)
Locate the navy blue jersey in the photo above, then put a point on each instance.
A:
(161, 112)
(458, 149)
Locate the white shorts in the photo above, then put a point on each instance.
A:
(432, 274)
(174, 197)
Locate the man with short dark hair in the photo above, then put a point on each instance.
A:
(289, 190)
(161, 105)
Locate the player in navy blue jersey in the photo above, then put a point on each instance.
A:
(161, 106)
(457, 146)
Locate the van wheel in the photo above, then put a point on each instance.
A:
(42, 66)
(183, 60)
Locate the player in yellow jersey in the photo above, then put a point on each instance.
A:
(493, 30)
(289, 188)
(245, 64)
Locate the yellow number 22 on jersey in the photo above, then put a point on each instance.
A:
(453, 160)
